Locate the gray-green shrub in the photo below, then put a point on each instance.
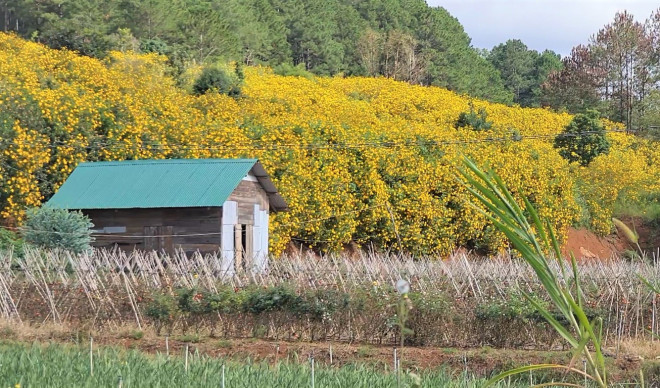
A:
(52, 228)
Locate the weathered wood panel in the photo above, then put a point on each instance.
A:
(248, 194)
(164, 223)
(190, 229)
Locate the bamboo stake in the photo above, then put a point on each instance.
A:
(186, 366)
(91, 355)
(312, 361)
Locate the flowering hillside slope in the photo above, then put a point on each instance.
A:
(357, 159)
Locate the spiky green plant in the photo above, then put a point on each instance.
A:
(535, 240)
(630, 234)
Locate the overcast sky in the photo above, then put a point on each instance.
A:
(557, 25)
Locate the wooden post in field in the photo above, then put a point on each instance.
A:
(312, 361)
(394, 364)
(277, 353)
(223, 375)
(91, 355)
(186, 358)
(167, 346)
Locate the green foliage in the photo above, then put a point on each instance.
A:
(278, 298)
(319, 305)
(583, 139)
(162, 310)
(58, 366)
(523, 70)
(646, 208)
(451, 60)
(217, 80)
(403, 39)
(287, 69)
(650, 120)
(155, 45)
(58, 229)
(582, 332)
(10, 241)
(192, 338)
(477, 121)
(514, 307)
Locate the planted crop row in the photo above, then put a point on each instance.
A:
(460, 302)
(65, 366)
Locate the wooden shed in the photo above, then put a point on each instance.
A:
(204, 205)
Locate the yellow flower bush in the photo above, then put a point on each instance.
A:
(355, 158)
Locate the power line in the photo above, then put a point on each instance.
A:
(388, 144)
(117, 235)
(302, 146)
(298, 146)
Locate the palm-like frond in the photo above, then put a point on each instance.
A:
(534, 240)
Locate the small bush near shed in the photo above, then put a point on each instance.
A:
(58, 229)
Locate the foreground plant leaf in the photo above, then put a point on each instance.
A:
(534, 244)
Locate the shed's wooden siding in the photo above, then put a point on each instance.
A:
(160, 221)
(246, 195)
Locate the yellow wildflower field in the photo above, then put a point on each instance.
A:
(355, 158)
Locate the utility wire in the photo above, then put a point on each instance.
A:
(299, 146)
(117, 235)
(274, 146)
(337, 146)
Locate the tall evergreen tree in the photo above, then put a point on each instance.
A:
(403, 39)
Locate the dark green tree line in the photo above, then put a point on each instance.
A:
(523, 71)
(402, 39)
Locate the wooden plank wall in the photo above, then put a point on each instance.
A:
(164, 222)
(248, 194)
(158, 222)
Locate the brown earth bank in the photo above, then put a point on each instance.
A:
(624, 363)
(581, 242)
(585, 244)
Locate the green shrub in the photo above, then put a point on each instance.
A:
(191, 338)
(10, 241)
(218, 80)
(58, 229)
(478, 120)
(318, 305)
(155, 45)
(162, 310)
(514, 308)
(278, 298)
(288, 70)
(583, 139)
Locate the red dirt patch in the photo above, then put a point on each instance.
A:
(587, 245)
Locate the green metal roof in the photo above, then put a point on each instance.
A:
(159, 184)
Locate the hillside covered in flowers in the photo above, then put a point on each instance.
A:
(354, 157)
